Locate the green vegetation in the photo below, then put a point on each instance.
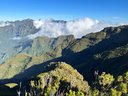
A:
(37, 64)
(107, 85)
(105, 79)
(59, 81)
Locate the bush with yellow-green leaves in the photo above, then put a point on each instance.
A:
(107, 85)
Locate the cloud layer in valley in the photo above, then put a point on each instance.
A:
(78, 27)
(3, 24)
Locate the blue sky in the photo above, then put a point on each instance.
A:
(108, 10)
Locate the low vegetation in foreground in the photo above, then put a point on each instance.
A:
(63, 80)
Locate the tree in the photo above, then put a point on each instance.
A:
(120, 79)
(71, 93)
(113, 92)
(126, 77)
(95, 92)
(123, 87)
(79, 93)
(105, 79)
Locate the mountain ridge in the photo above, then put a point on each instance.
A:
(70, 50)
(102, 52)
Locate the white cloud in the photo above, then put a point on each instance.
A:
(78, 27)
(81, 27)
(49, 28)
(38, 23)
(3, 24)
(16, 38)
